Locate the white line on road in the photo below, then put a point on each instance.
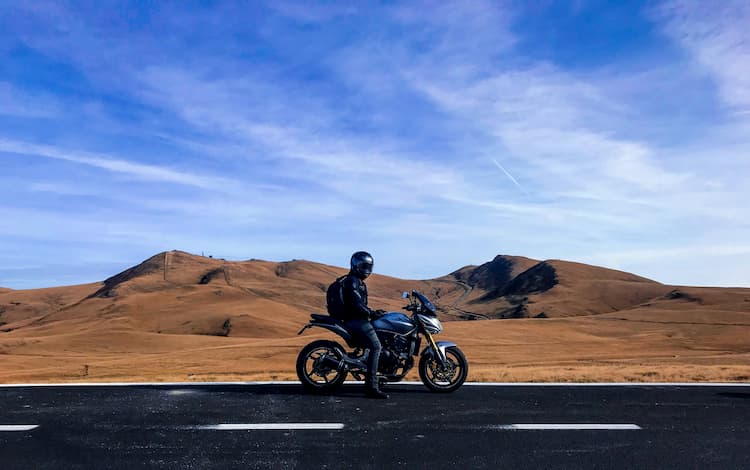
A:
(271, 426)
(608, 384)
(569, 427)
(478, 384)
(18, 427)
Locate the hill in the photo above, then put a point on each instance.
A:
(191, 313)
(517, 287)
(179, 293)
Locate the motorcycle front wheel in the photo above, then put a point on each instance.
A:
(316, 373)
(447, 378)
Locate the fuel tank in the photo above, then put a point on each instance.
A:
(394, 321)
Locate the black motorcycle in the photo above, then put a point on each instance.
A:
(322, 366)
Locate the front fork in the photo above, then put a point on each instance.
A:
(436, 350)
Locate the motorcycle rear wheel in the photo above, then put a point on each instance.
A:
(442, 379)
(316, 376)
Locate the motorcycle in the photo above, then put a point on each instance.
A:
(323, 365)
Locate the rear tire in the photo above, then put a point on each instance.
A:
(444, 379)
(316, 376)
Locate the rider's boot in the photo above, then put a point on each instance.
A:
(372, 390)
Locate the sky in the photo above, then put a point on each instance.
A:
(432, 134)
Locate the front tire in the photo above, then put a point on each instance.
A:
(444, 379)
(313, 373)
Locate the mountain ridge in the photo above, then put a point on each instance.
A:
(505, 287)
(178, 316)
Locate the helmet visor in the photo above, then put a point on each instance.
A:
(362, 263)
(365, 268)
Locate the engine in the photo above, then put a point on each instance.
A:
(395, 351)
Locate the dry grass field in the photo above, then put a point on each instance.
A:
(181, 317)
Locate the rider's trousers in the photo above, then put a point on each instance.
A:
(365, 334)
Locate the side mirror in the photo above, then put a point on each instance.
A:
(405, 295)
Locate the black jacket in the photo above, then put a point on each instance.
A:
(355, 298)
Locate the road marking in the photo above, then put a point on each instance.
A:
(18, 427)
(608, 384)
(271, 426)
(569, 427)
(477, 384)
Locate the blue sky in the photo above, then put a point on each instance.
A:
(433, 134)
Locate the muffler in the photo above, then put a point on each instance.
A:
(345, 363)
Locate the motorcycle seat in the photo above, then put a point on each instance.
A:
(326, 319)
(329, 320)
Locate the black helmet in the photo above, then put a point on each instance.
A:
(362, 264)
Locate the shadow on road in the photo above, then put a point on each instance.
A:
(354, 390)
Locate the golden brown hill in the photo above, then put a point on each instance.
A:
(165, 292)
(517, 287)
(589, 290)
(180, 316)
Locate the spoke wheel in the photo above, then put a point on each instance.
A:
(315, 372)
(444, 378)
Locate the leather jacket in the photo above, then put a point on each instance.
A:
(355, 298)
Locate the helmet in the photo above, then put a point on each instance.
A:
(362, 264)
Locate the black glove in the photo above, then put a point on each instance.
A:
(378, 313)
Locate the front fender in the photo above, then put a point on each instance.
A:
(442, 346)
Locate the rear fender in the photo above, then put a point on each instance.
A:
(335, 328)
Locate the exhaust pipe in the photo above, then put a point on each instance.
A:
(332, 362)
(345, 363)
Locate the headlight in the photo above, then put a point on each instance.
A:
(431, 324)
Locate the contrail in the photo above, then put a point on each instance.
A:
(510, 176)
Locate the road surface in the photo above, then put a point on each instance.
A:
(266, 426)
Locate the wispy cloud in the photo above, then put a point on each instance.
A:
(717, 37)
(16, 103)
(357, 168)
(303, 13)
(556, 124)
(115, 165)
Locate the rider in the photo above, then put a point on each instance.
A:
(360, 315)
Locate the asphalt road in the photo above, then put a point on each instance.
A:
(280, 426)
